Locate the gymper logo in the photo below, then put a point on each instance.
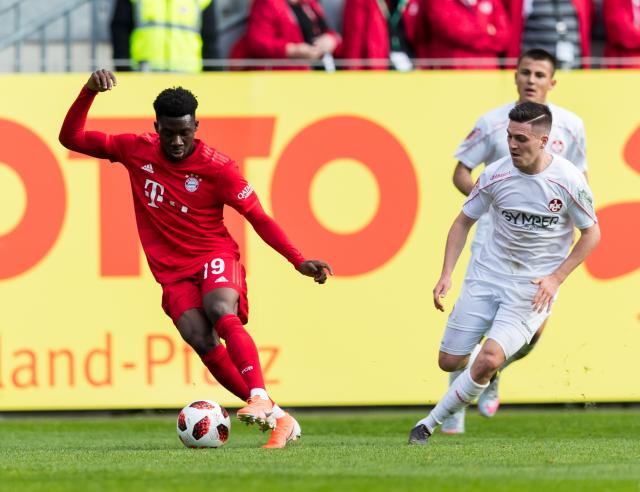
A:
(530, 221)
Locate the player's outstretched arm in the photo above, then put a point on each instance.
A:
(272, 234)
(548, 286)
(455, 243)
(72, 134)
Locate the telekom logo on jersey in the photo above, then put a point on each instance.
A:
(303, 156)
(155, 192)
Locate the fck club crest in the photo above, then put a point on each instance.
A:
(192, 182)
(555, 205)
(557, 146)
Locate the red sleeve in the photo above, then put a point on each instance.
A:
(272, 234)
(237, 193)
(262, 38)
(96, 144)
(73, 135)
(619, 25)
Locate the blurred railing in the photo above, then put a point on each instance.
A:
(40, 29)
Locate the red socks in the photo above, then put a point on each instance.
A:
(222, 368)
(242, 349)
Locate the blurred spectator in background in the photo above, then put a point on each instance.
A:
(622, 25)
(387, 31)
(474, 32)
(164, 35)
(561, 27)
(288, 29)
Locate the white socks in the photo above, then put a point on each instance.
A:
(261, 392)
(278, 412)
(461, 392)
(472, 357)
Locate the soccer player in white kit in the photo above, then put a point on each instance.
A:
(537, 199)
(485, 144)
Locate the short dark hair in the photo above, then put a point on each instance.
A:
(539, 54)
(535, 113)
(175, 102)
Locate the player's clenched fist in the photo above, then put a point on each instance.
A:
(316, 269)
(101, 80)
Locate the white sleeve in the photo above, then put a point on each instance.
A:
(474, 150)
(479, 200)
(580, 204)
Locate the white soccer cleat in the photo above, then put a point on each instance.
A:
(489, 400)
(454, 424)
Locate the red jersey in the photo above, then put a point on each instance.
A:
(178, 204)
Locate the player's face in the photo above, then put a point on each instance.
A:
(526, 145)
(534, 79)
(176, 135)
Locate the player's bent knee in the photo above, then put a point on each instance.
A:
(449, 362)
(487, 363)
(219, 308)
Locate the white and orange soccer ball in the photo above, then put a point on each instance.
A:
(203, 424)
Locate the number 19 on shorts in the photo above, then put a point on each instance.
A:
(215, 267)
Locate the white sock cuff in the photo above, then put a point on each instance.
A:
(470, 383)
(261, 392)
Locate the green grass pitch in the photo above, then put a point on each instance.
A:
(518, 450)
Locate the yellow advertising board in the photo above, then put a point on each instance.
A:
(357, 169)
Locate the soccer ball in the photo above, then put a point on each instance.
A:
(203, 424)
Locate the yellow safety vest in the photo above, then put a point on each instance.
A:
(166, 35)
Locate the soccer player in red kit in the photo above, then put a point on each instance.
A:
(180, 186)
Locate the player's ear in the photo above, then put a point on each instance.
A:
(156, 126)
(195, 129)
(544, 139)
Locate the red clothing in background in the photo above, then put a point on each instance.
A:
(584, 11)
(622, 25)
(178, 205)
(463, 29)
(366, 31)
(270, 27)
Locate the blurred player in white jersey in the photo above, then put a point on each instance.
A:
(487, 143)
(537, 199)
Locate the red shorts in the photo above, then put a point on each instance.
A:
(221, 270)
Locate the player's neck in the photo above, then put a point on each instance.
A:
(542, 162)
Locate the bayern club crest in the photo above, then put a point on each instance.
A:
(555, 205)
(192, 183)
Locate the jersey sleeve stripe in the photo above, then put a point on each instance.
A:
(593, 217)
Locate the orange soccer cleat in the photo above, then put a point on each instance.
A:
(258, 411)
(287, 429)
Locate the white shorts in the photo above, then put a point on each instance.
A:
(493, 306)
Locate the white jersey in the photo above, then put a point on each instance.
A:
(534, 216)
(487, 142)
